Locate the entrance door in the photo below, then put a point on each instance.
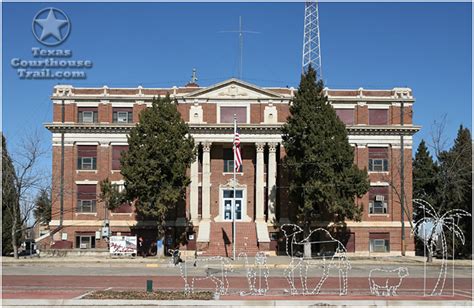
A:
(228, 200)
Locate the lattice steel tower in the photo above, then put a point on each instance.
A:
(311, 42)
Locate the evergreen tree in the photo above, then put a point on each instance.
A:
(109, 194)
(10, 205)
(324, 180)
(42, 211)
(154, 168)
(425, 177)
(425, 185)
(456, 188)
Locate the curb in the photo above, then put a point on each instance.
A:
(230, 303)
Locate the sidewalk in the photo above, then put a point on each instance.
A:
(235, 303)
(272, 261)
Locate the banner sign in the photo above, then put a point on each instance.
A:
(123, 245)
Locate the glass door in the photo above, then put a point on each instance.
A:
(228, 200)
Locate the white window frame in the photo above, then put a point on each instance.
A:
(91, 163)
(86, 245)
(121, 113)
(378, 243)
(224, 199)
(90, 114)
(384, 207)
(244, 217)
(91, 206)
(232, 104)
(380, 164)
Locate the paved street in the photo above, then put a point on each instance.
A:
(68, 279)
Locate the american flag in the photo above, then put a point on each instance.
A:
(237, 156)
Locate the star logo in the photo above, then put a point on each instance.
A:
(51, 26)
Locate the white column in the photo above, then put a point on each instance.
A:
(271, 182)
(194, 189)
(206, 181)
(259, 182)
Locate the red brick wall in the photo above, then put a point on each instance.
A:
(362, 115)
(105, 113)
(407, 115)
(209, 113)
(137, 108)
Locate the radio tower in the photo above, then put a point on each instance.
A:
(311, 43)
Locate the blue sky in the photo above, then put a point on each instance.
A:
(373, 45)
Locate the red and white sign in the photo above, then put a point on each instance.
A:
(123, 245)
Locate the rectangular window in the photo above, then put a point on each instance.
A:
(86, 198)
(122, 115)
(85, 241)
(378, 116)
(86, 157)
(346, 116)
(378, 199)
(378, 159)
(229, 160)
(379, 242)
(87, 115)
(227, 114)
(117, 151)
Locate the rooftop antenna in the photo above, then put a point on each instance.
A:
(241, 43)
(311, 41)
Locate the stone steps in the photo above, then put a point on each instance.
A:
(220, 243)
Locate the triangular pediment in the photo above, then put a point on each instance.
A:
(233, 89)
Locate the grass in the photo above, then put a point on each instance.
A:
(155, 295)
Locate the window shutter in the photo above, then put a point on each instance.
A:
(227, 114)
(378, 116)
(86, 192)
(346, 115)
(86, 151)
(117, 155)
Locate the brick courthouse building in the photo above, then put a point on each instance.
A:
(97, 120)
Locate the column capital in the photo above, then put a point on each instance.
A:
(260, 146)
(272, 147)
(206, 146)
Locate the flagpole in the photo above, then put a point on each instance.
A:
(233, 203)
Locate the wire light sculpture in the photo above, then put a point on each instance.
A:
(431, 230)
(219, 277)
(257, 274)
(385, 285)
(298, 264)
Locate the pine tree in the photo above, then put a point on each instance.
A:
(324, 180)
(154, 168)
(10, 204)
(425, 177)
(425, 185)
(456, 188)
(42, 211)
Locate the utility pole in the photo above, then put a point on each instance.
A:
(61, 185)
(402, 178)
(311, 39)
